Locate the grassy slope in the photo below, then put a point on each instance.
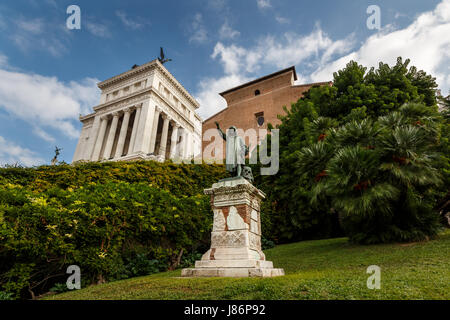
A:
(322, 269)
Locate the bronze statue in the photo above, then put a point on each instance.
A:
(236, 150)
(55, 158)
(161, 58)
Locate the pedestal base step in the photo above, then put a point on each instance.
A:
(234, 264)
(236, 272)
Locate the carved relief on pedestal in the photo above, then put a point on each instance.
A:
(255, 203)
(255, 241)
(231, 198)
(229, 239)
(235, 220)
(254, 215)
(254, 223)
(219, 220)
(244, 212)
(254, 227)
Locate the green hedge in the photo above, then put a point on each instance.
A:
(99, 216)
(178, 179)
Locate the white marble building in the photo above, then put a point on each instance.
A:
(144, 113)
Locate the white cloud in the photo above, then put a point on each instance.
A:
(47, 102)
(3, 60)
(42, 134)
(226, 32)
(10, 153)
(292, 49)
(232, 57)
(133, 24)
(242, 64)
(282, 20)
(36, 34)
(217, 4)
(209, 89)
(263, 4)
(280, 52)
(425, 41)
(52, 3)
(97, 29)
(34, 26)
(198, 30)
(399, 15)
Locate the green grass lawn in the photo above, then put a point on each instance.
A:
(321, 269)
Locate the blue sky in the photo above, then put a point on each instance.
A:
(48, 74)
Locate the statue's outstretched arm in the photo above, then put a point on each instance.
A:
(223, 135)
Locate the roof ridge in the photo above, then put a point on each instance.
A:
(292, 68)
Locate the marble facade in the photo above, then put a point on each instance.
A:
(144, 113)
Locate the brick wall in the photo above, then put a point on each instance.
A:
(243, 105)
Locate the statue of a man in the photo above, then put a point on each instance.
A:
(55, 158)
(236, 150)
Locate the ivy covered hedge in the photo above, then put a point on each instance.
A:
(107, 218)
(178, 179)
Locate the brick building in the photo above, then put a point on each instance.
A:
(256, 103)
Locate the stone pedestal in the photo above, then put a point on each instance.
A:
(236, 236)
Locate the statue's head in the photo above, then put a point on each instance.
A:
(232, 131)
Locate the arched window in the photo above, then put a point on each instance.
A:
(257, 92)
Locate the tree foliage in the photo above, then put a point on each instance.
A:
(377, 175)
(350, 135)
(113, 220)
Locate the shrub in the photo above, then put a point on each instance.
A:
(53, 217)
(357, 98)
(6, 296)
(379, 175)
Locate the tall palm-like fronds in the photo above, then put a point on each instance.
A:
(375, 173)
(320, 126)
(392, 120)
(356, 133)
(313, 160)
(407, 156)
(353, 181)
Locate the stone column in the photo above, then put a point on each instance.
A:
(142, 141)
(173, 141)
(81, 146)
(134, 130)
(123, 132)
(92, 139)
(181, 144)
(100, 138)
(154, 130)
(165, 131)
(186, 144)
(111, 136)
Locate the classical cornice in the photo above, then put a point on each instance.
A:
(127, 99)
(139, 97)
(173, 109)
(119, 103)
(145, 67)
